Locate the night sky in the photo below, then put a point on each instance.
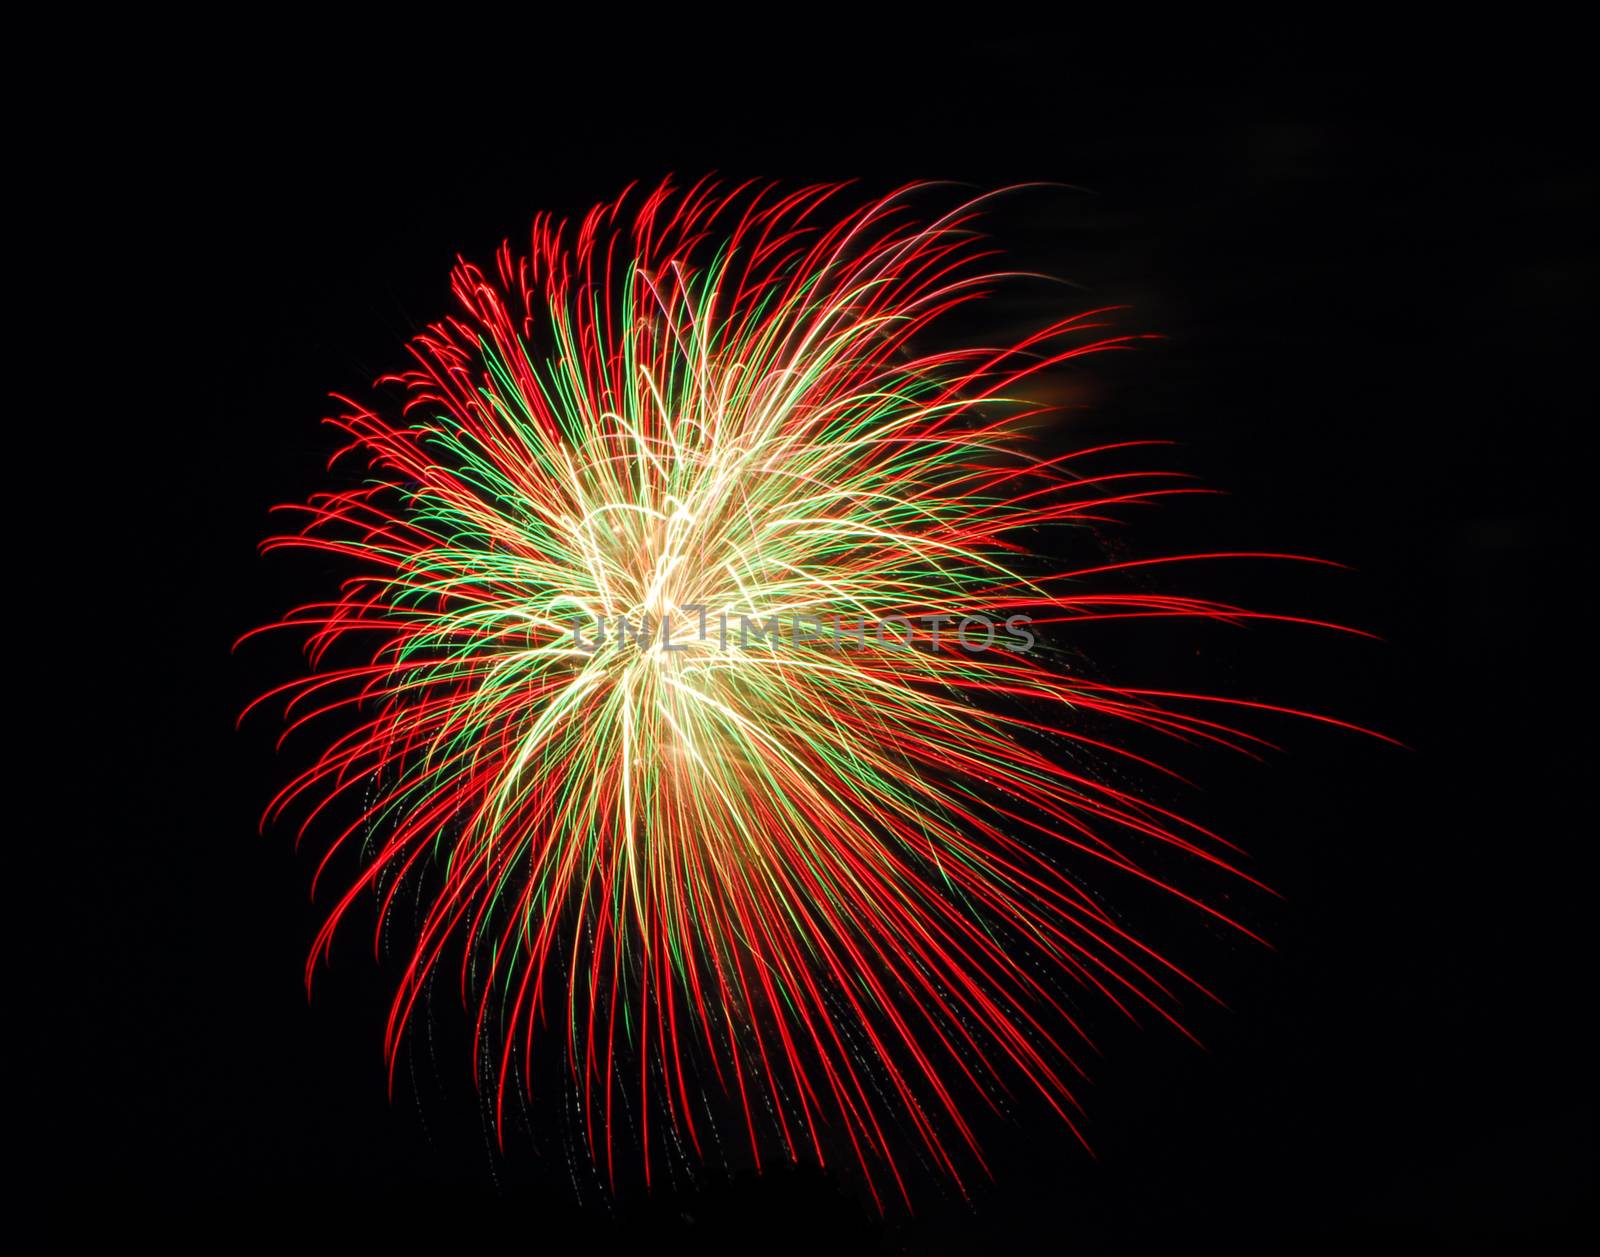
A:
(1364, 259)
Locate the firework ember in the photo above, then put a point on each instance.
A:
(695, 675)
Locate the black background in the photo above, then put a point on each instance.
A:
(1363, 252)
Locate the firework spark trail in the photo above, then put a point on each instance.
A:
(835, 880)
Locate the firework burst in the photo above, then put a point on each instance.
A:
(668, 681)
